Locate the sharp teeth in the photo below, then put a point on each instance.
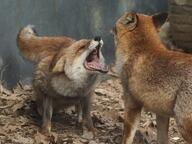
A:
(101, 42)
(93, 44)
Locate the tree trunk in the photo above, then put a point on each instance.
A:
(180, 17)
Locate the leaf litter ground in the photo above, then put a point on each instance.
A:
(19, 121)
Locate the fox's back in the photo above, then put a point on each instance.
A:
(157, 76)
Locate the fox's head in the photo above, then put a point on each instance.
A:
(83, 57)
(134, 32)
(135, 27)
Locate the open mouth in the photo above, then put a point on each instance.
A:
(93, 62)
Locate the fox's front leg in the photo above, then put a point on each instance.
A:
(47, 111)
(162, 129)
(132, 115)
(78, 109)
(86, 112)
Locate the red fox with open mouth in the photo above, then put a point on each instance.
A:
(66, 73)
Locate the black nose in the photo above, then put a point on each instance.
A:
(97, 38)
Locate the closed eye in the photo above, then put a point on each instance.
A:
(81, 49)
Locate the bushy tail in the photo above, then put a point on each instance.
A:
(34, 48)
(26, 42)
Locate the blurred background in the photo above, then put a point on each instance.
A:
(74, 18)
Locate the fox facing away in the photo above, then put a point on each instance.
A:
(66, 72)
(153, 77)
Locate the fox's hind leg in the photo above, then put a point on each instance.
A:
(183, 112)
(184, 122)
(47, 111)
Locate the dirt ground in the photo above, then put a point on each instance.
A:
(19, 121)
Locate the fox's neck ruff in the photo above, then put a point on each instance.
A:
(70, 88)
(145, 42)
(130, 48)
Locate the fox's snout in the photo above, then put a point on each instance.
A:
(97, 38)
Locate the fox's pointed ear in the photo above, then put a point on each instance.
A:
(159, 19)
(58, 66)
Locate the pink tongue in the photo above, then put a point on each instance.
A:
(97, 65)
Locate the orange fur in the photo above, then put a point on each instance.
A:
(61, 78)
(35, 48)
(153, 77)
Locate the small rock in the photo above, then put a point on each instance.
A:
(84, 140)
(87, 135)
(92, 142)
(175, 138)
(100, 92)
